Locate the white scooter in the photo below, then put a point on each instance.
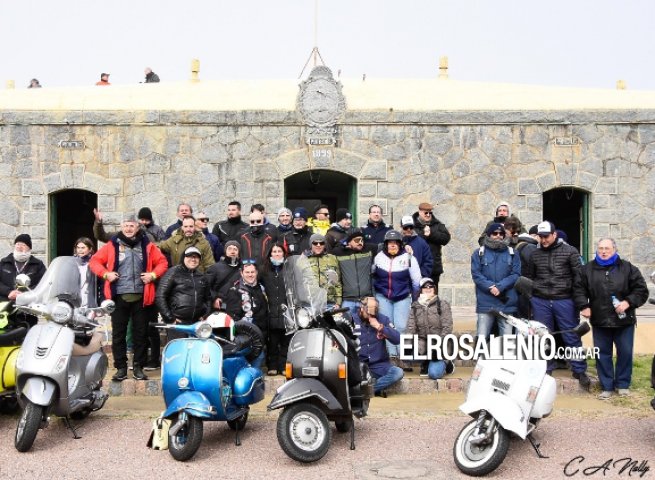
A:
(61, 365)
(505, 396)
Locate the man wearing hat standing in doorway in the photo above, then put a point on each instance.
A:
(340, 229)
(435, 233)
(20, 261)
(554, 268)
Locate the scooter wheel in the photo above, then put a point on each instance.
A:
(28, 426)
(303, 432)
(479, 460)
(185, 443)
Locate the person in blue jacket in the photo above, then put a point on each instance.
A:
(495, 268)
(420, 248)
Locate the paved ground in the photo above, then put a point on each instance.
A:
(406, 436)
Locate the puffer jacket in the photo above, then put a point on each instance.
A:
(501, 268)
(335, 234)
(374, 233)
(554, 271)
(183, 294)
(297, 241)
(435, 318)
(273, 282)
(438, 237)
(320, 265)
(178, 243)
(222, 276)
(422, 253)
(396, 277)
(355, 270)
(596, 285)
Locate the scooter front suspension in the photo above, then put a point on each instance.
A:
(482, 434)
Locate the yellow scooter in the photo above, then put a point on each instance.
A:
(11, 337)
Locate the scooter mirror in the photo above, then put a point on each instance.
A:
(23, 281)
(582, 329)
(108, 306)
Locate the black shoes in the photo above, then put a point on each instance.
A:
(120, 375)
(152, 365)
(424, 370)
(138, 373)
(381, 393)
(583, 378)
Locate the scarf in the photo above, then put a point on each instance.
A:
(284, 228)
(496, 244)
(21, 257)
(131, 242)
(606, 263)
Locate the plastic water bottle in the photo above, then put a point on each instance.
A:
(615, 302)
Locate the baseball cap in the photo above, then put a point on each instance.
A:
(545, 228)
(192, 251)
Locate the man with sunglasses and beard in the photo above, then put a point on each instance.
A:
(435, 233)
(255, 242)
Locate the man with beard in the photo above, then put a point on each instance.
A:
(435, 233)
(284, 219)
(224, 273)
(187, 236)
(340, 229)
(296, 241)
(255, 242)
(130, 263)
(232, 227)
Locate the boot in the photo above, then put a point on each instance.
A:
(138, 373)
(120, 375)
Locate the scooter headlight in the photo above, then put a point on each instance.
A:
(303, 318)
(203, 330)
(62, 312)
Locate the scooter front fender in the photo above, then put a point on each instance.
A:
(502, 408)
(194, 403)
(38, 390)
(300, 389)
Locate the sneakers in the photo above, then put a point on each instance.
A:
(623, 392)
(583, 378)
(605, 395)
(450, 367)
(424, 370)
(138, 373)
(381, 393)
(120, 375)
(152, 365)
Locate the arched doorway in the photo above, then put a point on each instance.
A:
(70, 216)
(311, 188)
(568, 209)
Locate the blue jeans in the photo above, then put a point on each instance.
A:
(436, 369)
(604, 338)
(486, 324)
(560, 315)
(398, 313)
(393, 375)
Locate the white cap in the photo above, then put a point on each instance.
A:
(406, 221)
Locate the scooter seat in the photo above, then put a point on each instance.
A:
(12, 337)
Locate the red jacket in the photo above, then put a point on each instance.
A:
(105, 261)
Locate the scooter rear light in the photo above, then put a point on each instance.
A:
(288, 371)
(342, 371)
(532, 394)
(477, 371)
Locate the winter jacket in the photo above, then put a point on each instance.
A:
(321, 264)
(297, 241)
(276, 295)
(245, 302)
(422, 253)
(373, 350)
(170, 230)
(222, 276)
(152, 77)
(438, 237)
(178, 243)
(214, 243)
(270, 229)
(501, 268)
(183, 294)
(335, 234)
(396, 277)
(374, 233)
(106, 260)
(255, 245)
(597, 284)
(525, 247)
(33, 268)
(355, 270)
(554, 270)
(434, 318)
(230, 229)
(154, 232)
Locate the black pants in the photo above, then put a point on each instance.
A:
(435, 278)
(277, 344)
(119, 320)
(154, 341)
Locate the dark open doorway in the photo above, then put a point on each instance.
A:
(312, 188)
(70, 217)
(568, 209)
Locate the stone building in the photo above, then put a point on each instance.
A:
(584, 159)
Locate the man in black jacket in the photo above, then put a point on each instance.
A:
(232, 227)
(224, 273)
(435, 233)
(607, 292)
(554, 268)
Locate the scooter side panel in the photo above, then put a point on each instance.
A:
(199, 362)
(194, 403)
(38, 390)
(248, 386)
(543, 405)
(300, 389)
(502, 408)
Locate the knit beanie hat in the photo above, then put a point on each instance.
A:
(24, 238)
(343, 213)
(145, 214)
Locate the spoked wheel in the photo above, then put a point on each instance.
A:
(479, 460)
(185, 443)
(344, 426)
(303, 432)
(238, 423)
(28, 426)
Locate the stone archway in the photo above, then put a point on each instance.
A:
(311, 188)
(70, 215)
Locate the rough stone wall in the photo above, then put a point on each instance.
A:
(465, 163)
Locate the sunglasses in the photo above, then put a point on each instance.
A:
(408, 227)
(205, 220)
(358, 240)
(318, 243)
(256, 222)
(497, 234)
(428, 285)
(327, 214)
(427, 212)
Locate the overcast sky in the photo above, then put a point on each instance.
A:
(585, 43)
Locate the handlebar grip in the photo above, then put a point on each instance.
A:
(340, 310)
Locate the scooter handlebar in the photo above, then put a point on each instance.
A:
(340, 310)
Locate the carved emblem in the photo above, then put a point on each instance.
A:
(320, 99)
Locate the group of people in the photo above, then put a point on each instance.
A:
(556, 288)
(150, 77)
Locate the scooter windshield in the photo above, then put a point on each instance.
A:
(61, 278)
(302, 286)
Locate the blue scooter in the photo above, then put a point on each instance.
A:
(203, 380)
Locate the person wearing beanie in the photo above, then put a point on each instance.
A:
(19, 261)
(495, 268)
(502, 213)
(296, 241)
(326, 269)
(233, 226)
(284, 217)
(526, 244)
(224, 273)
(321, 221)
(340, 229)
(155, 232)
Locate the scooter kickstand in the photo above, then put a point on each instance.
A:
(536, 446)
(71, 428)
(237, 440)
(352, 435)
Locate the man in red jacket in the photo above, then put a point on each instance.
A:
(129, 264)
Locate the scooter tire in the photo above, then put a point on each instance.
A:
(184, 445)
(28, 426)
(476, 460)
(303, 432)
(238, 423)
